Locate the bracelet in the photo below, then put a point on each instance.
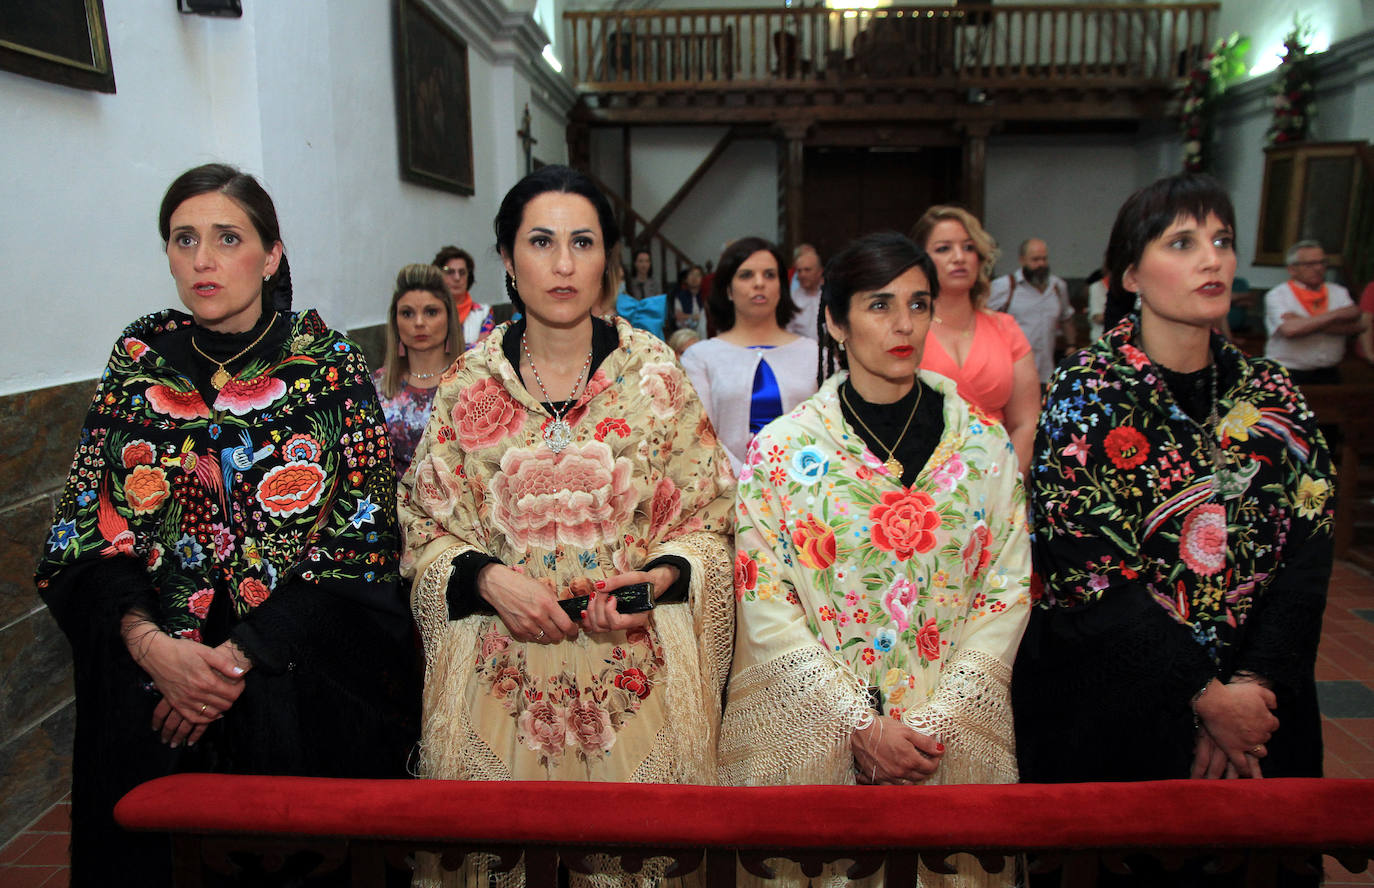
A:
(1192, 704)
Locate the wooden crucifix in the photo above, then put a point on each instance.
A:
(526, 136)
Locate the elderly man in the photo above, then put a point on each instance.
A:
(1039, 301)
(807, 278)
(1308, 319)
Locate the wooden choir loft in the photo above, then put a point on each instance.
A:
(831, 85)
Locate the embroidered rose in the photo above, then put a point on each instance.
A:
(543, 727)
(590, 725)
(146, 488)
(612, 425)
(815, 542)
(706, 433)
(928, 640)
(436, 487)
(291, 488)
(223, 539)
(949, 473)
(1134, 356)
(904, 523)
(635, 681)
(137, 453)
(1126, 447)
(582, 496)
(199, 604)
(976, 555)
(809, 465)
(242, 396)
(178, 405)
(135, 348)
(485, 414)
(746, 575)
(505, 682)
(253, 591)
(667, 506)
(1202, 545)
(663, 383)
(493, 642)
(898, 601)
(303, 448)
(1312, 495)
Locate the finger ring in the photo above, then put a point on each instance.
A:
(1254, 750)
(203, 707)
(540, 635)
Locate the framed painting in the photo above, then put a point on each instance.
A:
(433, 100)
(62, 41)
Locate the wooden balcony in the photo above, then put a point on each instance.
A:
(1063, 61)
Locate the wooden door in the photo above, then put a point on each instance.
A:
(847, 192)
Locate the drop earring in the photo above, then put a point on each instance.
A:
(401, 350)
(840, 345)
(1137, 302)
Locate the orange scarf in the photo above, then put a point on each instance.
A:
(464, 307)
(1312, 300)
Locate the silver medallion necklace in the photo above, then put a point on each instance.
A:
(557, 434)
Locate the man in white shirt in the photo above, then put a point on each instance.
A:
(807, 277)
(1038, 300)
(1308, 319)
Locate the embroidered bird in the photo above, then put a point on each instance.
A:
(114, 527)
(204, 467)
(241, 458)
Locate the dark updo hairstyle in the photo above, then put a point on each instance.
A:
(1144, 216)
(249, 195)
(735, 254)
(562, 180)
(446, 254)
(864, 265)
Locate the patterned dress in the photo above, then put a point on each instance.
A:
(266, 517)
(855, 592)
(1170, 554)
(643, 477)
(406, 416)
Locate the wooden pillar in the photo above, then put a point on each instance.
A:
(793, 165)
(975, 165)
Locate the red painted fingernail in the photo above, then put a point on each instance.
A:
(940, 747)
(584, 615)
(601, 584)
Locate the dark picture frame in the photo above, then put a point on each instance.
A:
(61, 41)
(433, 100)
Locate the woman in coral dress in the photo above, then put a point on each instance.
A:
(567, 456)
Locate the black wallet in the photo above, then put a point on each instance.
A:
(633, 599)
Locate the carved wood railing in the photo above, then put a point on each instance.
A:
(367, 827)
(978, 46)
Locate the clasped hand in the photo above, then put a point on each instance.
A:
(198, 683)
(1236, 723)
(530, 611)
(888, 751)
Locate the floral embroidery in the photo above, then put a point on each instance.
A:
(1202, 545)
(292, 488)
(1127, 447)
(146, 488)
(809, 465)
(177, 404)
(582, 495)
(904, 523)
(243, 396)
(815, 542)
(664, 383)
(486, 414)
(1312, 495)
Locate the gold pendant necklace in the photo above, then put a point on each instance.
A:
(892, 464)
(220, 378)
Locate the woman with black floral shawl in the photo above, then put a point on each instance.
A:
(1181, 504)
(223, 558)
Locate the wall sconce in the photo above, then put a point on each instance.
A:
(222, 8)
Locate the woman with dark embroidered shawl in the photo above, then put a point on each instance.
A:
(1182, 519)
(223, 558)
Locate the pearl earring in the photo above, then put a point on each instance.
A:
(840, 345)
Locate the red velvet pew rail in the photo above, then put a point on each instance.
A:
(366, 824)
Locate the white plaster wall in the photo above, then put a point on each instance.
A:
(300, 94)
(80, 255)
(1063, 190)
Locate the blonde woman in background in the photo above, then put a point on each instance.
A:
(983, 351)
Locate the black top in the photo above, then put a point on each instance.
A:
(887, 421)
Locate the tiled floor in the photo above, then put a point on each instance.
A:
(1345, 676)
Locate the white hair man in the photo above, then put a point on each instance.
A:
(807, 277)
(1308, 319)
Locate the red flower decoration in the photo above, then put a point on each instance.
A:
(746, 575)
(615, 424)
(242, 396)
(815, 542)
(904, 523)
(178, 405)
(253, 591)
(634, 681)
(291, 488)
(928, 640)
(1127, 447)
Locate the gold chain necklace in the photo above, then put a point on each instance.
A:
(557, 434)
(892, 463)
(221, 376)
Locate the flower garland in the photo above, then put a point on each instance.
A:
(1205, 84)
(1293, 90)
